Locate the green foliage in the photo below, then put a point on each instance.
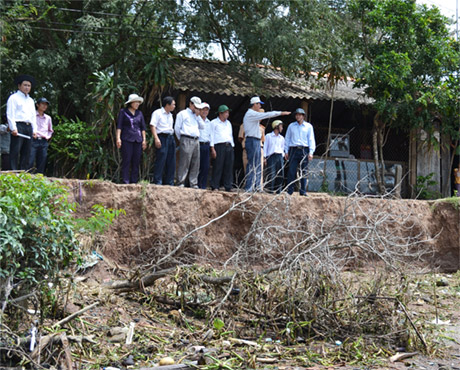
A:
(36, 230)
(100, 220)
(423, 185)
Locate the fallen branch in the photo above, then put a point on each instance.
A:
(71, 317)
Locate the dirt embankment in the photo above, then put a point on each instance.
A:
(162, 214)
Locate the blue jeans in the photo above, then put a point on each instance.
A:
(204, 165)
(275, 172)
(165, 161)
(253, 169)
(38, 154)
(298, 156)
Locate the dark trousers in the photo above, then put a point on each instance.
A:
(6, 162)
(131, 153)
(222, 169)
(275, 172)
(165, 161)
(38, 154)
(20, 147)
(204, 165)
(298, 156)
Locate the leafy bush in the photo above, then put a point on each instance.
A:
(36, 232)
(424, 185)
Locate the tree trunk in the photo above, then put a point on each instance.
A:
(323, 185)
(377, 142)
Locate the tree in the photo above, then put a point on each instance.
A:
(409, 65)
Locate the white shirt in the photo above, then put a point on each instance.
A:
(251, 121)
(222, 132)
(188, 123)
(20, 108)
(205, 133)
(300, 135)
(162, 121)
(273, 144)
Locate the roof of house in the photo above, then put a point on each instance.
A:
(223, 78)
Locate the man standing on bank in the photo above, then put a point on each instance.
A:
(21, 115)
(161, 125)
(274, 157)
(39, 150)
(299, 147)
(222, 150)
(131, 138)
(252, 133)
(205, 153)
(187, 129)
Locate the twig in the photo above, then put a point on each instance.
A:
(71, 317)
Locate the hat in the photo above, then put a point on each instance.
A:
(21, 78)
(223, 108)
(299, 111)
(255, 100)
(43, 100)
(196, 101)
(206, 105)
(276, 123)
(134, 97)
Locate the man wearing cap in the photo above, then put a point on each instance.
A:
(187, 129)
(161, 125)
(205, 139)
(222, 150)
(21, 115)
(273, 157)
(39, 150)
(299, 147)
(253, 146)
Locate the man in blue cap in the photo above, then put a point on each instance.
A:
(39, 150)
(299, 147)
(20, 112)
(252, 133)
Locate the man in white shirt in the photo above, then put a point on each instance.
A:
(299, 147)
(21, 115)
(187, 129)
(39, 150)
(274, 157)
(205, 153)
(252, 133)
(161, 125)
(222, 144)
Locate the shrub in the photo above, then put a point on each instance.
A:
(36, 232)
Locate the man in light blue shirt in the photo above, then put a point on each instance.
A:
(299, 147)
(252, 133)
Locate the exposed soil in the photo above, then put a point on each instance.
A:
(161, 214)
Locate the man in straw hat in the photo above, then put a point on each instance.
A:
(274, 157)
(21, 115)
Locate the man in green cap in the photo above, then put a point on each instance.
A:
(222, 145)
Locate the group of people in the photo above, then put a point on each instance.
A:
(201, 140)
(25, 135)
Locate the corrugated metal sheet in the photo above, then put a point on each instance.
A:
(222, 78)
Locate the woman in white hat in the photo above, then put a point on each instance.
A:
(131, 138)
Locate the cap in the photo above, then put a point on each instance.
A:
(206, 105)
(299, 111)
(255, 100)
(43, 100)
(196, 101)
(223, 108)
(276, 123)
(21, 78)
(134, 97)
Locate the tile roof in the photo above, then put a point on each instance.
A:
(217, 77)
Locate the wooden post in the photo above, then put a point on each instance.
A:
(181, 101)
